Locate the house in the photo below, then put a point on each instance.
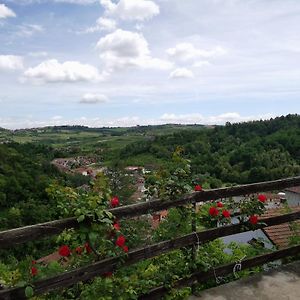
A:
(158, 217)
(133, 169)
(259, 235)
(281, 234)
(55, 256)
(293, 196)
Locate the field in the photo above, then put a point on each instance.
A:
(90, 139)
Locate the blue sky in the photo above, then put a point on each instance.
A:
(129, 62)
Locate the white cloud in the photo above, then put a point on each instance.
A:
(187, 52)
(80, 2)
(28, 30)
(93, 98)
(84, 2)
(126, 121)
(57, 118)
(122, 49)
(6, 12)
(70, 71)
(38, 54)
(200, 64)
(103, 24)
(221, 119)
(181, 73)
(139, 10)
(11, 62)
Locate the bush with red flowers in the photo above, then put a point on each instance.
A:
(34, 271)
(226, 213)
(213, 211)
(253, 219)
(262, 198)
(78, 250)
(88, 248)
(125, 248)
(198, 188)
(64, 251)
(120, 241)
(114, 202)
(117, 226)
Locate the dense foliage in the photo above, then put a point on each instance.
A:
(32, 190)
(235, 153)
(25, 173)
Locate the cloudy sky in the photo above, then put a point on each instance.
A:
(128, 62)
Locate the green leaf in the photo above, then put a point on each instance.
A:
(29, 291)
(93, 237)
(81, 218)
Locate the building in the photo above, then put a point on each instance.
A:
(281, 234)
(293, 196)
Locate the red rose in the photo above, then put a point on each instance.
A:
(125, 249)
(220, 204)
(253, 219)
(213, 211)
(88, 248)
(114, 202)
(198, 188)
(226, 214)
(78, 250)
(108, 274)
(120, 241)
(262, 198)
(34, 271)
(117, 226)
(64, 250)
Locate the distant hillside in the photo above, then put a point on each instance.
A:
(237, 153)
(88, 138)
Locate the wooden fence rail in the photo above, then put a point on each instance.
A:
(202, 276)
(21, 235)
(90, 271)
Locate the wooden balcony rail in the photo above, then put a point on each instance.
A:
(9, 238)
(202, 276)
(92, 270)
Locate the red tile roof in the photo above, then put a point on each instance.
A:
(280, 234)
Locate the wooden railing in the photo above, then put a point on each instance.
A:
(17, 236)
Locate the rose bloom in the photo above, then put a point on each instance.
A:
(213, 211)
(114, 202)
(120, 241)
(198, 188)
(108, 274)
(220, 204)
(125, 249)
(226, 214)
(117, 226)
(34, 271)
(262, 198)
(64, 250)
(88, 248)
(253, 219)
(78, 250)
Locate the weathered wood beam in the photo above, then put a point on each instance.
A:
(202, 277)
(21, 235)
(90, 271)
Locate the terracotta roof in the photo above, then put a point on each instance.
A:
(280, 234)
(55, 256)
(294, 189)
(272, 196)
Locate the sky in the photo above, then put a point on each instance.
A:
(135, 62)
